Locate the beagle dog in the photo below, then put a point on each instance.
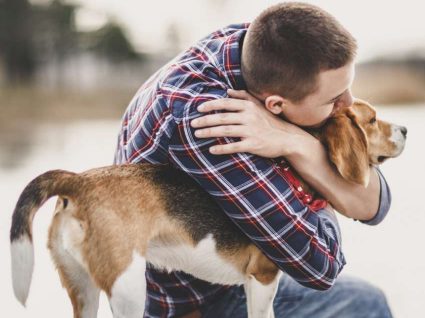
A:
(102, 235)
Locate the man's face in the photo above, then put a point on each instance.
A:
(333, 92)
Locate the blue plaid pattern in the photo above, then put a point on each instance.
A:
(253, 191)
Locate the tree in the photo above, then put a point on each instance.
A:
(16, 45)
(111, 42)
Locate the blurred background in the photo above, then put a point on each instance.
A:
(68, 69)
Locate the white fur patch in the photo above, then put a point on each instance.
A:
(202, 261)
(22, 253)
(88, 292)
(397, 138)
(66, 248)
(260, 297)
(72, 236)
(128, 293)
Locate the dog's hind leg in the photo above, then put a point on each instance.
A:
(81, 289)
(128, 293)
(259, 297)
(65, 238)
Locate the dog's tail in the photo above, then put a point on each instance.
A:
(38, 191)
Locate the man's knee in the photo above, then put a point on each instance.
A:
(350, 297)
(370, 299)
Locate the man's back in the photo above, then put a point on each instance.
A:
(151, 117)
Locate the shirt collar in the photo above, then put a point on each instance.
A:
(232, 58)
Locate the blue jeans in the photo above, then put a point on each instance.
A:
(348, 298)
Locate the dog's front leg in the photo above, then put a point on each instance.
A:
(260, 297)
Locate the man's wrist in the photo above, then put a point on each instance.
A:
(302, 146)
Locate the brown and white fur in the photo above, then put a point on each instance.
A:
(110, 221)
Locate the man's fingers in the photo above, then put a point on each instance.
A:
(223, 104)
(240, 146)
(217, 119)
(222, 131)
(241, 94)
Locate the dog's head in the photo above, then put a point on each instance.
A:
(356, 139)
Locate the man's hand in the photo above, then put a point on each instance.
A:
(262, 133)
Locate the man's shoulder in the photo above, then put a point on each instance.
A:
(205, 57)
(225, 32)
(197, 74)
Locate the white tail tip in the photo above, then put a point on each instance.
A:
(22, 253)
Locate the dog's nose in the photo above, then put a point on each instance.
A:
(403, 131)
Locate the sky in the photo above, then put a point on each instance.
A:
(380, 27)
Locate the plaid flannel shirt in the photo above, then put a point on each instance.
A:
(255, 193)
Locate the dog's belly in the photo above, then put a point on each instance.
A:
(201, 260)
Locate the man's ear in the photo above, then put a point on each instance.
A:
(347, 147)
(275, 104)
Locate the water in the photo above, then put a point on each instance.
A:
(389, 255)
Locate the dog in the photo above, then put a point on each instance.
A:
(102, 236)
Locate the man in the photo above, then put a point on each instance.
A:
(298, 62)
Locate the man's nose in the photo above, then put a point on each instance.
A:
(345, 100)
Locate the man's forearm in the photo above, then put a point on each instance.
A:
(352, 200)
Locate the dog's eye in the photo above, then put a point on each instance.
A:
(372, 121)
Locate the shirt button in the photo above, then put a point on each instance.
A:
(299, 189)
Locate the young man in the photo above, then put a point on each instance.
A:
(298, 62)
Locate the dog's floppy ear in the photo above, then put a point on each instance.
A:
(347, 147)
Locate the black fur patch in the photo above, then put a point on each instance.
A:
(187, 202)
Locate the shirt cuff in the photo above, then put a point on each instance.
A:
(332, 229)
(384, 201)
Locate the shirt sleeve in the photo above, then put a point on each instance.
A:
(384, 201)
(255, 195)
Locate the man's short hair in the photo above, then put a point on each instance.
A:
(287, 46)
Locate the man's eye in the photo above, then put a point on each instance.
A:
(372, 121)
